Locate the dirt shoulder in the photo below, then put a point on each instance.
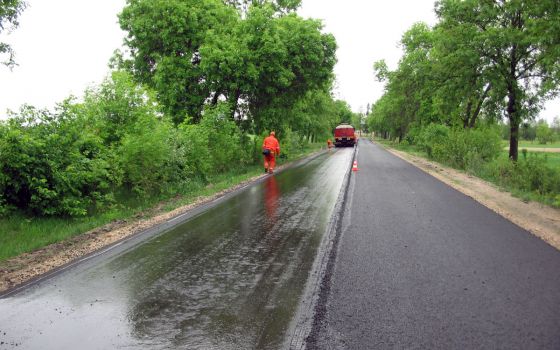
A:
(541, 220)
(28, 266)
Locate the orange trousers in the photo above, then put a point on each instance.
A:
(270, 161)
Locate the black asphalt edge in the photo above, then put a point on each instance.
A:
(141, 236)
(308, 317)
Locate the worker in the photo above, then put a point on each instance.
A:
(329, 144)
(271, 148)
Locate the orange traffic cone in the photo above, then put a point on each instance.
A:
(355, 166)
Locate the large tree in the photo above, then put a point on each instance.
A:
(282, 6)
(204, 51)
(518, 42)
(165, 37)
(9, 14)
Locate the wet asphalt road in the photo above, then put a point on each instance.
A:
(229, 278)
(421, 266)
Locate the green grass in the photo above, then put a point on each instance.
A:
(533, 144)
(552, 159)
(20, 234)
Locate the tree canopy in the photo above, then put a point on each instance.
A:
(10, 10)
(204, 51)
(489, 59)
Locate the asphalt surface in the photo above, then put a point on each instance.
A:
(230, 277)
(421, 266)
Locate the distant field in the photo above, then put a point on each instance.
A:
(534, 144)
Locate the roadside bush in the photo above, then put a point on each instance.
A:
(460, 148)
(432, 140)
(116, 106)
(530, 175)
(215, 145)
(52, 164)
(145, 156)
(471, 148)
(291, 143)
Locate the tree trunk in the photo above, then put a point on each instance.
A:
(467, 116)
(234, 103)
(215, 98)
(479, 106)
(513, 140)
(513, 122)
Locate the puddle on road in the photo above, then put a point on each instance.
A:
(229, 278)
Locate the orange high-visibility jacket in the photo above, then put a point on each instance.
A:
(272, 144)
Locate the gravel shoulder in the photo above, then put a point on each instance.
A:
(541, 220)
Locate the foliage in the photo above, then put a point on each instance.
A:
(202, 76)
(215, 145)
(482, 60)
(460, 148)
(531, 174)
(10, 10)
(544, 133)
(204, 51)
(433, 139)
(280, 6)
(517, 42)
(52, 164)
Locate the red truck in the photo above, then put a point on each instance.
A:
(344, 135)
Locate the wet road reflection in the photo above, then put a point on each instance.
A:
(230, 278)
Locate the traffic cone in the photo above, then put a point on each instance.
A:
(355, 166)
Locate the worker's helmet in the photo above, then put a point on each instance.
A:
(272, 133)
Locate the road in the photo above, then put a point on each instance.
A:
(231, 277)
(413, 264)
(421, 266)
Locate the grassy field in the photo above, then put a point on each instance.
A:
(20, 234)
(533, 144)
(552, 159)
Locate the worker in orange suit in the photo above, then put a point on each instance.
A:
(329, 144)
(271, 148)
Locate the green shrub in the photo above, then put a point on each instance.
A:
(460, 148)
(145, 155)
(529, 175)
(215, 145)
(432, 139)
(52, 164)
(291, 143)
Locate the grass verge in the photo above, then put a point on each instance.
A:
(21, 234)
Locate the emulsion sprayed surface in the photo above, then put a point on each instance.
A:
(230, 278)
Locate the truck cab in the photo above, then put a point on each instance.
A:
(344, 135)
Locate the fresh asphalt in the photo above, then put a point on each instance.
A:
(421, 266)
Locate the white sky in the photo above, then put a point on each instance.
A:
(62, 46)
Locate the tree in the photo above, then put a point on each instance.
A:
(282, 6)
(203, 52)
(10, 10)
(518, 42)
(544, 132)
(556, 126)
(165, 37)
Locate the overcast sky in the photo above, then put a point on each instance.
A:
(62, 46)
